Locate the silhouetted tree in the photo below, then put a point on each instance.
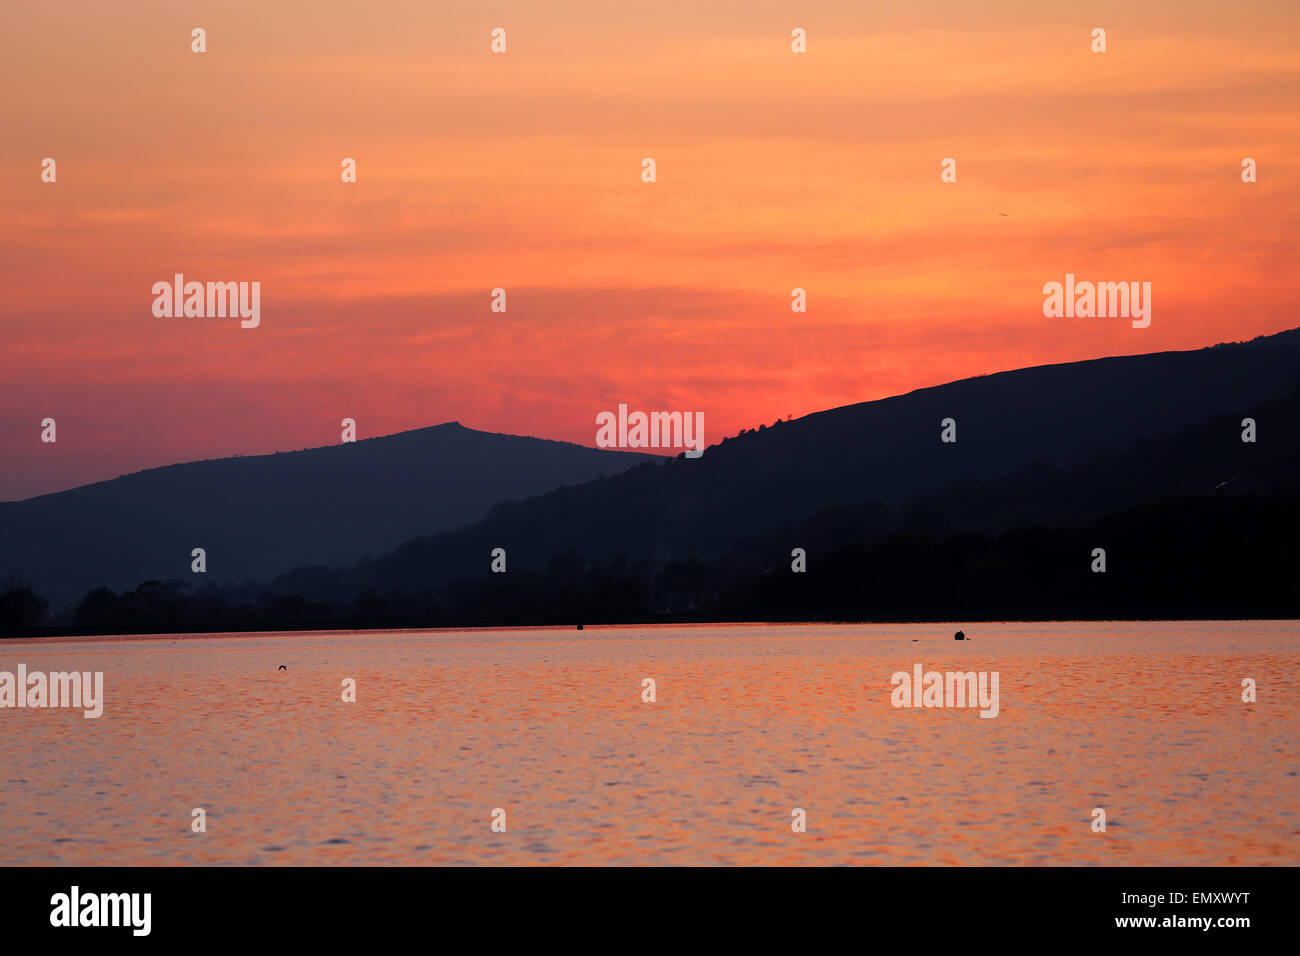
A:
(101, 608)
(21, 608)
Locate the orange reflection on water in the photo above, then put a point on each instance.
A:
(750, 722)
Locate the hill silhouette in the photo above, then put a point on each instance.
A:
(1181, 543)
(1141, 454)
(260, 516)
(883, 458)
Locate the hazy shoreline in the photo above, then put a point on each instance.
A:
(944, 626)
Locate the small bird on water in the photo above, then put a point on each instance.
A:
(959, 636)
(283, 668)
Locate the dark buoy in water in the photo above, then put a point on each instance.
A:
(959, 636)
(580, 627)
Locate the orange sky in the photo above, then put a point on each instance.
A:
(522, 170)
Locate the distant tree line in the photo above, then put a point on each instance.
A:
(1215, 556)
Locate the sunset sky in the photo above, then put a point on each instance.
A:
(522, 170)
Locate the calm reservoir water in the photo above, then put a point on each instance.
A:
(749, 723)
